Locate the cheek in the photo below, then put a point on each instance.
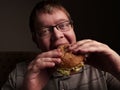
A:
(44, 44)
(71, 37)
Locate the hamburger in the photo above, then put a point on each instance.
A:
(70, 63)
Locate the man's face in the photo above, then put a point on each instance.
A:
(48, 37)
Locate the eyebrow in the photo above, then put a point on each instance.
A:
(58, 22)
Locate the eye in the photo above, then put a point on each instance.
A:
(64, 26)
(43, 31)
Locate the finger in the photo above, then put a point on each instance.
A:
(91, 46)
(43, 63)
(53, 54)
(87, 46)
(55, 60)
(78, 44)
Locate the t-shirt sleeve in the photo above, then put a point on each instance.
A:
(112, 82)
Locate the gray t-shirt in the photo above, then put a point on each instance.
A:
(88, 78)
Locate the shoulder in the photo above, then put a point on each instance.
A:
(16, 77)
(18, 72)
(19, 69)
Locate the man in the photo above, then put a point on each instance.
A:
(51, 26)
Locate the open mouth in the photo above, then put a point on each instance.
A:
(62, 44)
(56, 46)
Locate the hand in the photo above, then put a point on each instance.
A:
(37, 73)
(100, 55)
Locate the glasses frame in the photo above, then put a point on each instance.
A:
(51, 28)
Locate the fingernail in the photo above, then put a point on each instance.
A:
(59, 51)
(59, 60)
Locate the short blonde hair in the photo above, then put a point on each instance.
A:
(46, 6)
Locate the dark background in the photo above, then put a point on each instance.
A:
(94, 19)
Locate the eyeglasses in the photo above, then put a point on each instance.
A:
(63, 27)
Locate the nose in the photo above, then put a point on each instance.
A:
(57, 34)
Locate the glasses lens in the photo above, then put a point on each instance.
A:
(65, 26)
(46, 31)
(43, 31)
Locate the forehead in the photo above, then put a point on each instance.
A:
(51, 18)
